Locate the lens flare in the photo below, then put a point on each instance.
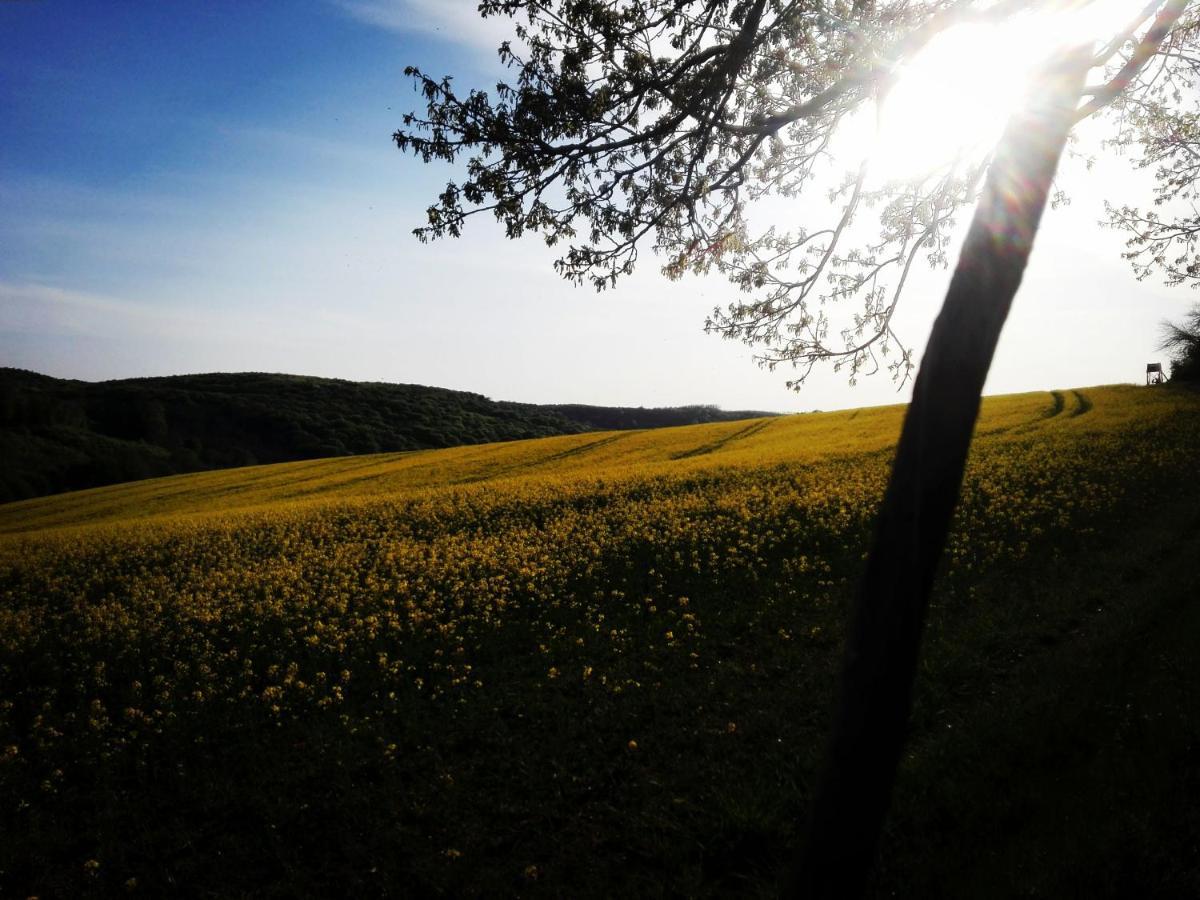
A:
(952, 100)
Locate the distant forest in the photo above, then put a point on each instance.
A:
(60, 435)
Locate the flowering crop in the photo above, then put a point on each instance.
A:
(451, 669)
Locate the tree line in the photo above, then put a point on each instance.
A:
(58, 435)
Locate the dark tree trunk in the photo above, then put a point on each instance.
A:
(884, 632)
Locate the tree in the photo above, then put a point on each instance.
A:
(660, 123)
(1183, 342)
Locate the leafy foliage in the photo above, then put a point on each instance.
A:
(1183, 342)
(663, 122)
(606, 418)
(1160, 120)
(62, 435)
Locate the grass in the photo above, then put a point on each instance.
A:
(601, 665)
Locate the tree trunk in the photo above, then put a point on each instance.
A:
(884, 633)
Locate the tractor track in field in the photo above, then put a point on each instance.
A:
(552, 458)
(322, 480)
(1082, 405)
(713, 446)
(1060, 403)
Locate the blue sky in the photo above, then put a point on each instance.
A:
(190, 187)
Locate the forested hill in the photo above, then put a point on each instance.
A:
(58, 435)
(619, 418)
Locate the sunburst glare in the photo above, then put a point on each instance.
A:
(953, 99)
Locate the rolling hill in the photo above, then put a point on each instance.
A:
(600, 665)
(58, 435)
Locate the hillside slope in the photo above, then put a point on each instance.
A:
(58, 435)
(600, 665)
(809, 439)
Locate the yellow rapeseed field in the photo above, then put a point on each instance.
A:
(476, 669)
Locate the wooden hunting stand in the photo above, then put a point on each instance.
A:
(1154, 373)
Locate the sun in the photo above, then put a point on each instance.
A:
(953, 99)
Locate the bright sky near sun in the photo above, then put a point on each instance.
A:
(956, 96)
(212, 187)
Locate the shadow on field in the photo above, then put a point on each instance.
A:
(1077, 777)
